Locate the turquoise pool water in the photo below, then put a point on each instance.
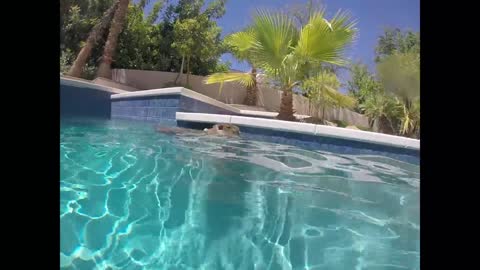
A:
(132, 198)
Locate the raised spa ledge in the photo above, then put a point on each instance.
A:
(303, 128)
(184, 92)
(176, 91)
(83, 98)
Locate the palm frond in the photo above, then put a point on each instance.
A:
(410, 119)
(338, 99)
(322, 88)
(275, 34)
(324, 41)
(246, 79)
(241, 43)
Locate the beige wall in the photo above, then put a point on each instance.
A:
(232, 93)
(109, 83)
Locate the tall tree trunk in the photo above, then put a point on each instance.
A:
(251, 97)
(286, 106)
(181, 70)
(95, 35)
(105, 68)
(188, 71)
(323, 113)
(371, 122)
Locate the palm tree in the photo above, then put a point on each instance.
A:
(322, 90)
(285, 53)
(104, 70)
(239, 46)
(95, 35)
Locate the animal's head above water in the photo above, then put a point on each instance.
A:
(223, 130)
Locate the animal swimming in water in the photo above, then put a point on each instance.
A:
(227, 130)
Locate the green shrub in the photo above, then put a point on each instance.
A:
(340, 123)
(66, 60)
(364, 128)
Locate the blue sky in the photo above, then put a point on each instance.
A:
(372, 17)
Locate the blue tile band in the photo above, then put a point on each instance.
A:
(314, 142)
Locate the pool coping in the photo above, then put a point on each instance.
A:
(76, 82)
(303, 128)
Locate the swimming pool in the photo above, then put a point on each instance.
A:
(132, 198)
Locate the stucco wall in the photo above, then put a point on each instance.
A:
(232, 93)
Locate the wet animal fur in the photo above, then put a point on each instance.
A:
(227, 130)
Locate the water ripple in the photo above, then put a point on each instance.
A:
(135, 199)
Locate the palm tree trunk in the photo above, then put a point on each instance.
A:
(95, 35)
(181, 70)
(251, 97)
(105, 68)
(286, 106)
